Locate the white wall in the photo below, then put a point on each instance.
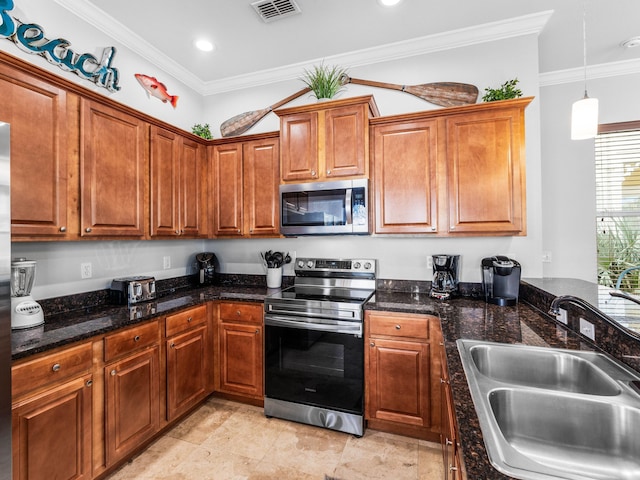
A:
(489, 64)
(568, 171)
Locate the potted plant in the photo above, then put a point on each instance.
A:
(324, 81)
(202, 131)
(506, 91)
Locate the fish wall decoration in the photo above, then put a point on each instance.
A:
(157, 89)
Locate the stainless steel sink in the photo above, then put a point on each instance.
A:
(550, 413)
(544, 368)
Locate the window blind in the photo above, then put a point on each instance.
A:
(617, 158)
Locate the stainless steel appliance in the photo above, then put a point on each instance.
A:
(314, 345)
(131, 290)
(501, 280)
(25, 311)
(445, 276)
(207, 266)
(5, 305)
(325, 208)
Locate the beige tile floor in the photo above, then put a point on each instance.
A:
(226, 440)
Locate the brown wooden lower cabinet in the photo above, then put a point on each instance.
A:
(240, 350)
(402, 395)
(449, 434)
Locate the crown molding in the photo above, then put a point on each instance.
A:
(488, 32)
(602, 70)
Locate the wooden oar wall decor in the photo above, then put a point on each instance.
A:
(444, 94)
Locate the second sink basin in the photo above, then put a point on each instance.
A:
(543, 368)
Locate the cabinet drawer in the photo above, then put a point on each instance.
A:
(241, 312)
(130, 340)
(414, 326)
(185, 320)
(53, 368)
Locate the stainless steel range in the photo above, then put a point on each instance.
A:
(314, 345)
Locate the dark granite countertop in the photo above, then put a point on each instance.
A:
(462, 317)
(68, 327)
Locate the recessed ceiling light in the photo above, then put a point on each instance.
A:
(631, 42)
(388, 3)
(204, 45)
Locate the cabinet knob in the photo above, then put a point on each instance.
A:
(189, 319)
(88, 229)
(398, 327)
(257, 331)
(89, 383)
(113, 372)
(313, 173)
(136, 338)
(173, 345)
(453, 227)
(452, 468)
(63, 229)
(372, 344)
(238, 230)
(238, 313)
(433, 229)
(251, 230)
(328, 172)
(177, 232)
(56, 367)
(447, 441)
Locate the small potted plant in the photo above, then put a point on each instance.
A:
(506, 91)
(202, 131)
(324, 81)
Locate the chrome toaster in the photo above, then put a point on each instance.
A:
(130, 290)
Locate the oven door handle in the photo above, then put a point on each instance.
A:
(354, 328)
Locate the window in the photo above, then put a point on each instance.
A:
(617, 153)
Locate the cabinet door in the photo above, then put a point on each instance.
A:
(227, 190)
(346, 142)
(113, 169)
(241, 359)
(52, 433)
(38, 161)
(191, 181)
(299, 143)
(187, 369)
(405, 194)
(485, 165)
(164, 183)
(398, 382)
(132, 391)
(261, 179)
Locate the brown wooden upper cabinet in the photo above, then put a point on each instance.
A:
(38, 161)
(178, 185)
(326, 140)
(455, 171)
(114, 166)
(245, 187)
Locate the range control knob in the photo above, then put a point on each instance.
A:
(310, 264)
(367, 265)
(356, 265)
(300, 264)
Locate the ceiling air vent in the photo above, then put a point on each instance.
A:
(271, 10)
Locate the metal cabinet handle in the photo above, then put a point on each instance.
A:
(398, 327)
(447, 441)
(89, 383)
(56, 367)
(113, 372)
(88, 229)
(63, 229)
(136, 338)
(452, 468)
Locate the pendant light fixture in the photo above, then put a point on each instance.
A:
(584, 112)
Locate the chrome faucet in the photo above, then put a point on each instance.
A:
(554, 308)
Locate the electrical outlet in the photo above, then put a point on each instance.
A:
(562, 316)
(166, 262)
(587, 329)
(85, 270)
(429, 262)
(546, 257)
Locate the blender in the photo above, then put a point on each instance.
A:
(25, 311)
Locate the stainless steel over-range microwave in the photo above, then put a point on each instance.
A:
(325, 208)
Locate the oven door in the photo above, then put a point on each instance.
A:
(315, 364)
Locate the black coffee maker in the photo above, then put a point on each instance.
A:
(445, 276)
(501, 280)
(207, 266)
